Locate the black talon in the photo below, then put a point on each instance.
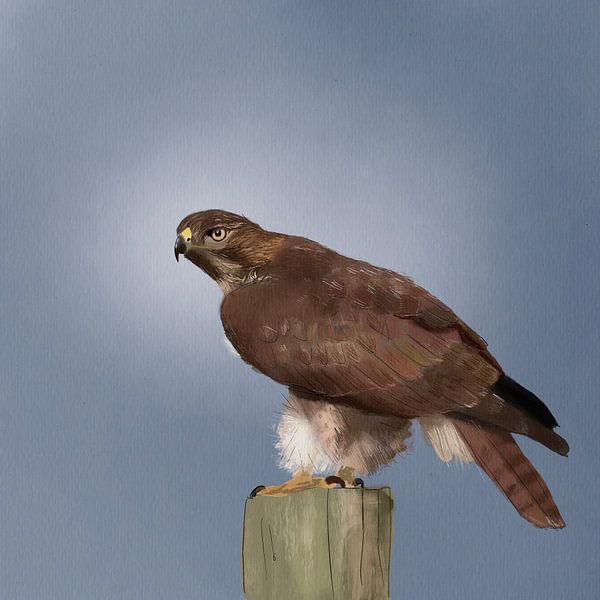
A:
(358, 482)
(335, 479)
(256, 490)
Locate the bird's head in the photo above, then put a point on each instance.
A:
(226, 246)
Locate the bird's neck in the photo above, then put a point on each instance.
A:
(235, 278)
(250, 262)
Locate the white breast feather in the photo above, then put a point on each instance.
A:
(299, 446)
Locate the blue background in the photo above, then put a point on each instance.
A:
(455, 142)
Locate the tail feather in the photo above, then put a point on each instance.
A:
(497, 453)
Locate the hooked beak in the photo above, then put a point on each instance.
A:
(180, 247)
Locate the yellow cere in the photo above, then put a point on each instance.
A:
(186, 234)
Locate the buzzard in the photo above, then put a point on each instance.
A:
(364, 352)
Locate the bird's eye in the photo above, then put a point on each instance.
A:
(218, 234)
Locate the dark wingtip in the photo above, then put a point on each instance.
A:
(511, 391)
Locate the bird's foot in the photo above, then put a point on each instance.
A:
(305, 481)
(346, 475)
(298, 483)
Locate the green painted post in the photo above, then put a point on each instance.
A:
(318, 544)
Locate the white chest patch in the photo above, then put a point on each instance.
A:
(320, 437)
(299, 446)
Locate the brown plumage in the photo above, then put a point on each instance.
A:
(497, 453)
(339, 331)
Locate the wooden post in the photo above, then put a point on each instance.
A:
(318, 544)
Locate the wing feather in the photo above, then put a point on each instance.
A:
(369, 338)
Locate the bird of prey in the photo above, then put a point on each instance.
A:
(364, 352)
